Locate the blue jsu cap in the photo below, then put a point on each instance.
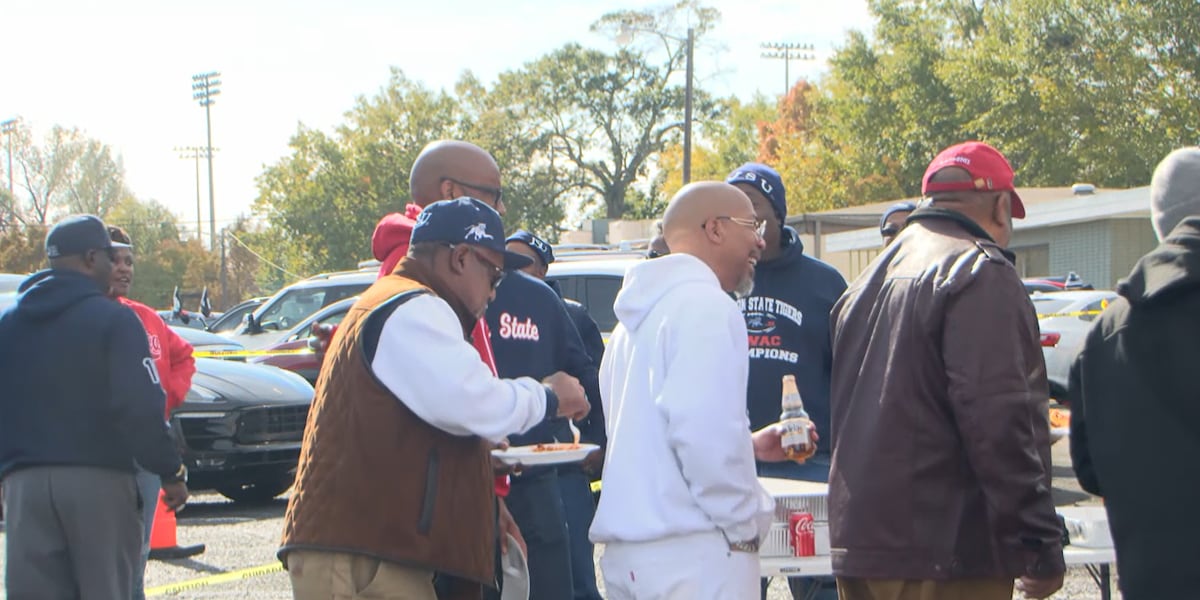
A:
(466, 220)
(539, 246)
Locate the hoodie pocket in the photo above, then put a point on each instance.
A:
(430, 497)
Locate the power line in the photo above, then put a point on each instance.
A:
(261, 257)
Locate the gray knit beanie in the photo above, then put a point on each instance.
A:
(1175, 190)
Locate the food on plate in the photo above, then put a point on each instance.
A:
(555, 447)
(1060, 417)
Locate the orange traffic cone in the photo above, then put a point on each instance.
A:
(162, 536)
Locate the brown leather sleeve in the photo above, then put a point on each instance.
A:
(999, 398)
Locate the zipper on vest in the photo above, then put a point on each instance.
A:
(431, 477)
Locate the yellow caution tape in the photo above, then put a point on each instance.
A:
(227, 577)
(1078, 313)
(243, 353)
(595, 486)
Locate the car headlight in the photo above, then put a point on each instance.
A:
(199, 393)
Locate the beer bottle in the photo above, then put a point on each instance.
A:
(797, 426)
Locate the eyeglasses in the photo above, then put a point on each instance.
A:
(497, 193)
(758, 225)
(498, 273)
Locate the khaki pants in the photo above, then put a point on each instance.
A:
(850, 588)
(339, 576)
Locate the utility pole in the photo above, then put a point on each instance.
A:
(224, 266)
(195, 153)
(788, 51)
(8, 128)
(625, 36)
(204, 87)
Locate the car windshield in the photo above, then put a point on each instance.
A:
(295, 305)
(230, 320)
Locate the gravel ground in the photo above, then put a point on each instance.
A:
(239, 537)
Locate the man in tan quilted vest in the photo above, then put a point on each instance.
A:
(394, 486)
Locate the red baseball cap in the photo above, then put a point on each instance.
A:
(988, 168)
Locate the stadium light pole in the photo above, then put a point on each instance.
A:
(204, 87)
(788, 51)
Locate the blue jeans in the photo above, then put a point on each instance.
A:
(580, 508)
(535, 502)
(148, 485)
(814, 469)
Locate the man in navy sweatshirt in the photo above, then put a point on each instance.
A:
(81, 403)
(787, 320)
(533, 336)
(574, 479)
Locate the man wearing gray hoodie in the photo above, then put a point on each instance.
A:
(1134, 412)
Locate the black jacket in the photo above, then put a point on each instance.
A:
(592, 428)
(1135, 418)
(787, 319)
(79, 385)
(533, 336)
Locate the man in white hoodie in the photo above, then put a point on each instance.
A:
(682, 511)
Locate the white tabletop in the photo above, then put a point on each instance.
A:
(812, 566)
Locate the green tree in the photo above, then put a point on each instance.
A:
(323, 200)
(729, 139)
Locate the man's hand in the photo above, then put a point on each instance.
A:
(768, 446)
(509, 525)
(572, 401)
(501, 468)
(1040, 588)
(175, 495)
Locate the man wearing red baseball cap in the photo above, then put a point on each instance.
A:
(942, 489)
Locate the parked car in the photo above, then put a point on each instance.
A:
(307, 366)
(241, 426)
(292, 304)
(234, 317)
(593, 279)
(1064, 319)
(1070, 281)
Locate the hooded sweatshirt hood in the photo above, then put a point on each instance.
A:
(1172, 266)
(389, 242)
(647, 282)
(50, 292)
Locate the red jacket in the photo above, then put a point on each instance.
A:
(172, 355)
(389, 243)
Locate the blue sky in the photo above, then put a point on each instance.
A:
(121, 69)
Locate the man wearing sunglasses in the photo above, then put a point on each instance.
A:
(403, 418)
(787, 320)
(444, 170)
(81, 403)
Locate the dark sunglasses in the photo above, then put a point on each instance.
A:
(497, 193)
(498, 273)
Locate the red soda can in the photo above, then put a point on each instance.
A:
(804, 541)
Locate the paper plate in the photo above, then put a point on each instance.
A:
(516, 572)
(529, 455)
(1058, 433)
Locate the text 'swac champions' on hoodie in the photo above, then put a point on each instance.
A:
(787, 324)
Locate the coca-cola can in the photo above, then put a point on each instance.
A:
(803, 538)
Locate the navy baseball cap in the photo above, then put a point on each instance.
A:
(77, 234)
(905, 206)
(466, 220)
(539, 246)
(767, 181)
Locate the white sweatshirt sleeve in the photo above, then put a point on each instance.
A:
(424, 361)
(703, 401)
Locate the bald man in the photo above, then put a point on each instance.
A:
(444, 170)
(682, 511)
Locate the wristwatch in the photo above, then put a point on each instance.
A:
(750, 546)
(180, 475)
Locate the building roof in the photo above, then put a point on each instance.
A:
(857, 227)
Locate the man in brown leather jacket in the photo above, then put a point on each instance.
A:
(940, 487)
